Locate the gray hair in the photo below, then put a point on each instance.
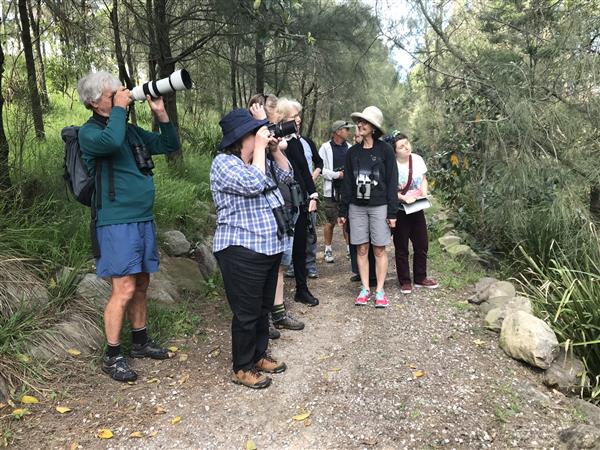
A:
(285, 105)
(91, 86)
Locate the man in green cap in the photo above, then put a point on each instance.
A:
(333, 154)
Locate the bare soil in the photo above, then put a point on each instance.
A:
(420, 374)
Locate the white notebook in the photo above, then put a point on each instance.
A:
(419, 205)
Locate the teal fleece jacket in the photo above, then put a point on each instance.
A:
(134, 191)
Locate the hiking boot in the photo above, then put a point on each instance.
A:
(149, 350)
(287, 322)
(251, 378)
(270, 365)
(273, 333)
(381, 300)
(329, 256)
(306, 297)
(312, 274)
(363, 297)
(406, 288)
(289, 273)
(427, 283)
(118, 368)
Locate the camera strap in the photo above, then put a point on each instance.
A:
(405, 189)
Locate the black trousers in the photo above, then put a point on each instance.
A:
(411, 227)
(299, 251)
(250, 280)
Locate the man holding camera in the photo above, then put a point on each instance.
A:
(119, 155)
(333, 153)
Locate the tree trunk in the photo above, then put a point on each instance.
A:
(259, 54)
(313, 110)
(232, 71)
(35, 27)
(166, 66)
(34, 94)
(4, 167)
(123, 75)
(595, 202)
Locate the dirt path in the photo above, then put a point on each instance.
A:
(354, 369)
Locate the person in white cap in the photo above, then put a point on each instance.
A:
(369, 200)
(333, 153)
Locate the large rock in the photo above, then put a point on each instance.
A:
(449, 240)
(206, 260)
(462, 251)
(529, 339)
(565, 374)
(589, 410)
(19, 286)
(497, 302)
(482, 288)
(501, 289)
(495, 316)
(184, 272)
(162, 289)
(581, 437)
(94, 288)
(175, 243)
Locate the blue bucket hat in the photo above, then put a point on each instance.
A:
(237, 124)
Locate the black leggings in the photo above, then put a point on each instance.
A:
(250, 280)
(299, 251)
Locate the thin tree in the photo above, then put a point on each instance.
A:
(4, 168)
(34, 94)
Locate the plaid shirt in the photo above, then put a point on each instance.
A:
(244, 215)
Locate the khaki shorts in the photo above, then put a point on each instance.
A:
(369, 224)
(331, 211)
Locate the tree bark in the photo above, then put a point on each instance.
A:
(166, 65)
(34, 94)
(35, 28)
(313, 110)
(259, 54)
(595, 202)
(4, 150)
(233, 70)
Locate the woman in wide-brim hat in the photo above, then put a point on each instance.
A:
(247, 244)
(369, 200)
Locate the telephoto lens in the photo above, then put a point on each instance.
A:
(282, 129)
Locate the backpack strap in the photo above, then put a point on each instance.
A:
(111, 174)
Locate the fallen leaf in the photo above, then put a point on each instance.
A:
(175, 420)
(412, 366)
(153, 380)
(153, 434)
(214, 352)
(183, 357)
(11, 403)
(419, 373)
(29, 400)
(250, 445)
(173, 349)
(160, 410)
(63, 409)
(105, 433)
(19, 413)
(136, 434)
(478, 342)
(184, 378)
(302, 416)
(335, 369)
(73, 352)
(74, 446)
(307, 422)
(131, 383)
(23, 358)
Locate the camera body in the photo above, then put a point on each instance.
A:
(363, 187)
(282, 129)
(284, 220)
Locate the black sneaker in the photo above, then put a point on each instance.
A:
(355, 278)
(287, 322)
(307, 298)
(149, 350)
(273, 333)
(118, 369)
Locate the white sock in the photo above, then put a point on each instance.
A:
(347, 249)
(328, 247)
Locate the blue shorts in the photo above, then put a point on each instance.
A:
(127, 249)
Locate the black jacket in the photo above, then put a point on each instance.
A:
(295, 155)
(379, 164)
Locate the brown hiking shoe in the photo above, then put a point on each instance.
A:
(269, 365)
(251, 378)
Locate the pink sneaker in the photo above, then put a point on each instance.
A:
(363, 298)
(381, 300)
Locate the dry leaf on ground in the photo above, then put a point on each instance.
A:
(183, 357)
(29, 400)
(172, 349)
(20, 412)
(250, 445)
(478, 342)
(160, 410)
(184, 378)
(74, 446)
(136, 434)
(73, 352)
(175, 420)
(302, 416)
(105, 433)
(63, 409)
(153, 434)
(419, 373)
(153, 380)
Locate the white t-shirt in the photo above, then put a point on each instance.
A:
(419, 169)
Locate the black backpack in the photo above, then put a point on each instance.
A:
(82, 184)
